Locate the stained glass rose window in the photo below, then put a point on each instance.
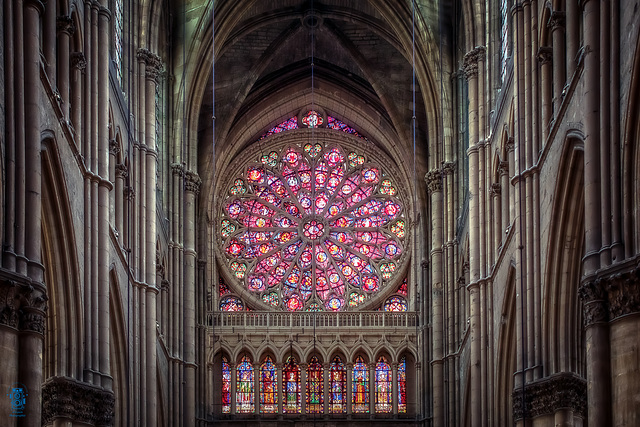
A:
(313, 228)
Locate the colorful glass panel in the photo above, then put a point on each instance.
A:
(315, 387)
(404, 288)
(333, 123)
(312, 119)
(231, 304)
(118, 39)
(244, 387)
(360, 389)
(226, 386)
(268, 387)
(314, 227)
(291, 387)
(383, 392)
(402, 386)
(337, 386)
(223, 289)
(289, 124)
(395, 303)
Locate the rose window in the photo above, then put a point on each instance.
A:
(313, 228)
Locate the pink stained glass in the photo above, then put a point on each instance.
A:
(289, 124)
(404, 288)
(395, 303)
(223, 289)
(312, 228)
(315, 387)
(312, 119)
(336, 124)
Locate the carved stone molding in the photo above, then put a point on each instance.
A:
(556, 21)
(64, 24)
(177, 169)
(129, 193)
(22, 304)
(114, 147)
(448, 168)
(121, 170)
(495, 189)
(594, 302)
(511, 144)
(78, 61)
(80, 402)
(548, 395)
(192, 182)
(503, 168)
(545, 54)
(623, 293)
(153, 64)
(433, 178)
(470, 61)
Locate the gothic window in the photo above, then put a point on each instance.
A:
(313, 228)
(292, 123)
(383, 392)
(360, 390)
(223, 289)
(404, 288)
(312, 119)
(504, 38)
(244, 383)
(315, 389)
(268, 387)
(117, 38)
(336, 124)
(402, 386)
(291, 386)
(337, 386)
(231, 304)
(226, 386)
(395, 303)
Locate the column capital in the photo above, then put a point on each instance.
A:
(78, 61)
(511, 145)
(556, 20)
(22, 303)
(64, 397)
(177, 169)
(65, 24)
(548, 395)
(121, 170)
(36, 4)
(433, 179)
(153, 64)
(503, 168)
(623, 293)
(448, 168)
(470, 61)
(545, 54)
(192, 182)
(114, 147)
(594, 302)
(495, 189)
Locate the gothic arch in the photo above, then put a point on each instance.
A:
(562, 330)
(506, 353)
(118, 351)
(64, 331)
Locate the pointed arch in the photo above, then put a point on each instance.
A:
(119, 350)
(506, 359)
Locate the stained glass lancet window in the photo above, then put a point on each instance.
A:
(291, 386)
(117, 38)
(383, 392)
(360, 390)
(337, 386)
(504, 38)
(268, 387)
(313, 227)
(244, 385)
(402, 386)
(315, 387)
(226, 386)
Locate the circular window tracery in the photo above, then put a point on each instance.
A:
(313, 228)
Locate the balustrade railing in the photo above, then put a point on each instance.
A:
(364, 319)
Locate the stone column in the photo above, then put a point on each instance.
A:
(234, 387)
(256, 390)
(303, 388)
(572, 36)
(433, 180)
(595, 314)
(326, 389)
(605, 132)
(49, 41)
(66, 28)
(503, 172)
(556, 23)
(121, 175)
(78, 66)
(372, 388)
(192, 189)
(495, 193)
(545, 53)
(471, 73)
(394, 387)
(281, 392)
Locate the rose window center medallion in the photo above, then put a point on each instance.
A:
(313, 228)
